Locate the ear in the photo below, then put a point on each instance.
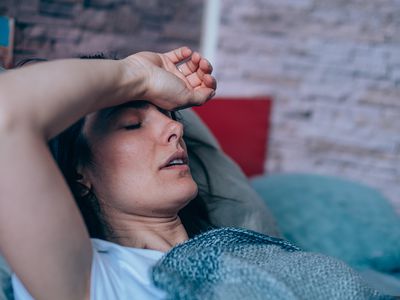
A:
(83, 182)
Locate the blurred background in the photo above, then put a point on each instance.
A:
(331, 67)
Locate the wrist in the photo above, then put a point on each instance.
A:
(133, 77)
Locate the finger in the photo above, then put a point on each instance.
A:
(194, 79)
(196, 63)
(179, 54)
(205, 66)
(201, 79)
(190, 66)
(210, 82)
(202, 95)
(190, 98)
(196, 98)
(187, 68)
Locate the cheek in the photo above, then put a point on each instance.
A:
(123, 167)
(174, 189)
(127, 178)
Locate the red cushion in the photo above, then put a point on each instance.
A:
(241, 126)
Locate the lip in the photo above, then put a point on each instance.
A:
(177, 167)
(177, 155)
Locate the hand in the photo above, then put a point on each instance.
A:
(176, 79)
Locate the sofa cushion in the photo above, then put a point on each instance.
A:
(234, 202)
(336, 217)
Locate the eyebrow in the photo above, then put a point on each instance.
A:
(140, 104)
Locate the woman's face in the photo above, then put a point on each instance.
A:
(131, 146)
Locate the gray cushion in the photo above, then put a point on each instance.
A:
(234, 201)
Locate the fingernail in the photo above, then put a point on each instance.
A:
(211, 95)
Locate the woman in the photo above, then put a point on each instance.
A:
(138, 171)
(131, 177)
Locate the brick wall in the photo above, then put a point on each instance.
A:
(332, 66)
(65, 28)
(333, 69)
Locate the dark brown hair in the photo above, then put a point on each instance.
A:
(71, 149)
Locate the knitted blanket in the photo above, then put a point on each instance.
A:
(233, 263)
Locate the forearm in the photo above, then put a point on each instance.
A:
(50, 96)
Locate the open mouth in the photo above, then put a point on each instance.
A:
(178, 160)
(180, 167)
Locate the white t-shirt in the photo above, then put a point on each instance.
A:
(118, 272)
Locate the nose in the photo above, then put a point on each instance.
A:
(173, 132)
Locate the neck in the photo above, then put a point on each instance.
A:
(157, 233)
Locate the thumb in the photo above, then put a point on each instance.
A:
(201, 95)
(193, 98)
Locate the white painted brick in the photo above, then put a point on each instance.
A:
(334, 74)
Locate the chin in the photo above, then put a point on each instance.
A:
(194, 193)
(184, 193)
(190, 191)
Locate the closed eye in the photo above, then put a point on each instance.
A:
(133, 126)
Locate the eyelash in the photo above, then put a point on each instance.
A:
(172, 115)
(132, 127)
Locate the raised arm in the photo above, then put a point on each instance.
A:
(52, 95)
(42, 234)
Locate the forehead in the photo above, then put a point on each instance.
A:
(100, 119)
(107, 113)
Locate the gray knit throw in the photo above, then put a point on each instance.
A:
(233, 263)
